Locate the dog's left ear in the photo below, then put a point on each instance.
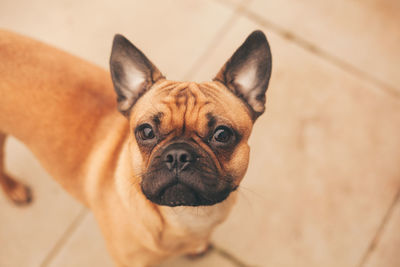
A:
(248, 71)
(132, 73)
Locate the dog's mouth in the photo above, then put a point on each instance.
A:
(180, 194)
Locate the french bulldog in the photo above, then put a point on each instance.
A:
(159, 167)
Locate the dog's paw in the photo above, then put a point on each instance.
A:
(201, 253)
(17, 192)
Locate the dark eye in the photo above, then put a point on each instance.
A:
(145, 132)
(222, 134)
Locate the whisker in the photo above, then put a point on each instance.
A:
(253, 192)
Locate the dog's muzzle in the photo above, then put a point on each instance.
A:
(184, 175)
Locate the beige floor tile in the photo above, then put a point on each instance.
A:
(27, 234)
(324, 162)
(235, 3)
(363, 33)
(387, 250)
(172, 33)
(86, 247)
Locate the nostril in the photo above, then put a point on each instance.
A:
(184, 158)
(169, 158)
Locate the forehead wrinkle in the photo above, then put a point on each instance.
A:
(166, 87)
(215, 97)
(177, 88)
(185, 107)
(211, 91)
(174, 100)
(196, 115)
(192, 113)
(222, 94)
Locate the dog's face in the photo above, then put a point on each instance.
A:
(188, 141)
(193, 147)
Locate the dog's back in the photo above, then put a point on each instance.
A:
(53, 102)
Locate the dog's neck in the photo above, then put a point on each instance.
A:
(197, 220)
(190, 224)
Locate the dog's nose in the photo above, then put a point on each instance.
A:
(178, 159)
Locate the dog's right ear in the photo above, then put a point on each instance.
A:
(131, 72)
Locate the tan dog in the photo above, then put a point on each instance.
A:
(161, 177)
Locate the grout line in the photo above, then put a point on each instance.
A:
(220, 34)
(64, 237)
(228, 256)
(375, 240)
(313, 48)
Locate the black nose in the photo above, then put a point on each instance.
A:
(178, 159)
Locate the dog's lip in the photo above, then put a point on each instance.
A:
(174, 182)
(178, 202)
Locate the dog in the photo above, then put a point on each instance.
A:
(160, 166)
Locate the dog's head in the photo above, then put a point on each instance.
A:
(188, 141)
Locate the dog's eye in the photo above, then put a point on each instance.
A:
(222, 134)
(145, 132)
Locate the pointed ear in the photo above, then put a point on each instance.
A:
(131, 72)
(248, 71)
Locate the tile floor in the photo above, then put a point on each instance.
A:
(323, 186)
